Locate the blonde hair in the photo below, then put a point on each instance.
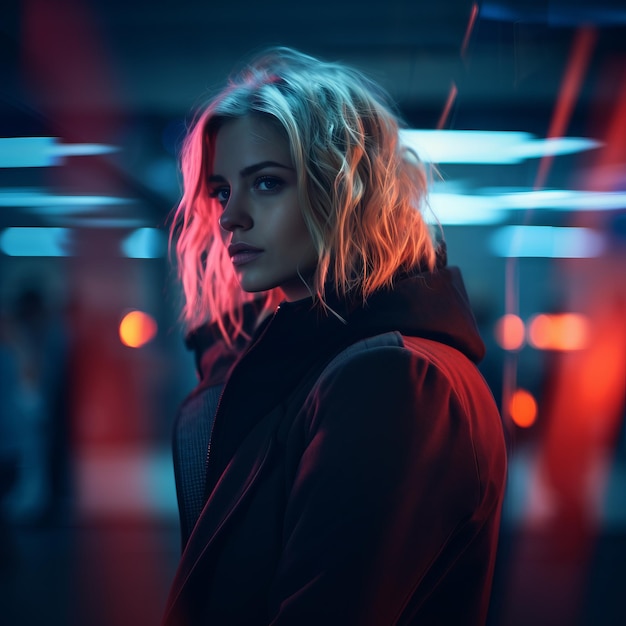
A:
(361, 191)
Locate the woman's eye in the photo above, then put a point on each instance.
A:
(268, 183)
(221, 194)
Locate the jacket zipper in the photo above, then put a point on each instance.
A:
(208, 449)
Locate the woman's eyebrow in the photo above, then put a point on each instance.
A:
(250, 169)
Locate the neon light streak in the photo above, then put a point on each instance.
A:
(570, 88)
(144, 243)
(547, 241)
(24, 197)
(470, 27)
(448, 106)
(32, 241)
(44, 151)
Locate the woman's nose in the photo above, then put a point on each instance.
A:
(235, 215)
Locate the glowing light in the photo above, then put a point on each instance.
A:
(565, 331)
(144, 243)
(443, 118)
(33, 241)
(509, 332)
(94, 222)
(523, 408)
(50, 202)
(440, 146)
(43, 151)
(557, 199)
(547, 241)
(558, 13)
(567, 99)
(137, 329)
(497, 147)
(469, 29)
(492, 206)
(553, 146)
(456, 208)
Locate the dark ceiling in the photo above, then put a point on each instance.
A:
(159, 58)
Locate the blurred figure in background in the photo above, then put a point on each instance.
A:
(9, 449)
(36, 416)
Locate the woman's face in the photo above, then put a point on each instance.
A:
(255, 181)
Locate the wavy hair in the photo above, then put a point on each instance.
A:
(361, 191)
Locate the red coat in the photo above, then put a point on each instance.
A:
(355, 472)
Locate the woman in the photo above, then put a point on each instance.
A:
(348, 467)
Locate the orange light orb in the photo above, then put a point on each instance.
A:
(565, 331)
(509, 332)
(523, 408)
(137, 329)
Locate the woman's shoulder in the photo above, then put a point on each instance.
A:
(390, 390)
(396, 351)
(402, 377)
(381, 366)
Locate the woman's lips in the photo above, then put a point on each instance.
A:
(246, 256)
(241, 254)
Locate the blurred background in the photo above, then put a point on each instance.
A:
(520, 104)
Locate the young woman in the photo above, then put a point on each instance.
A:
(342, 460)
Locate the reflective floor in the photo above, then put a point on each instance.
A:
(109, 558)
(98, 575)
(118, 574)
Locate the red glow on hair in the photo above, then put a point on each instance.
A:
(565, 331)
(509, 332)
(523, 408)
(137, 329)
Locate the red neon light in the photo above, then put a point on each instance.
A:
(582, 49)
(469, 29)
(447, 107)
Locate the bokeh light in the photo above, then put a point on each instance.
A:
(564, 331)
(509, 332)
(523, 408)
(137, 329)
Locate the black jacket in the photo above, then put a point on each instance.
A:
(355, 470)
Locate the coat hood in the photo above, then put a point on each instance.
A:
(432, 305)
